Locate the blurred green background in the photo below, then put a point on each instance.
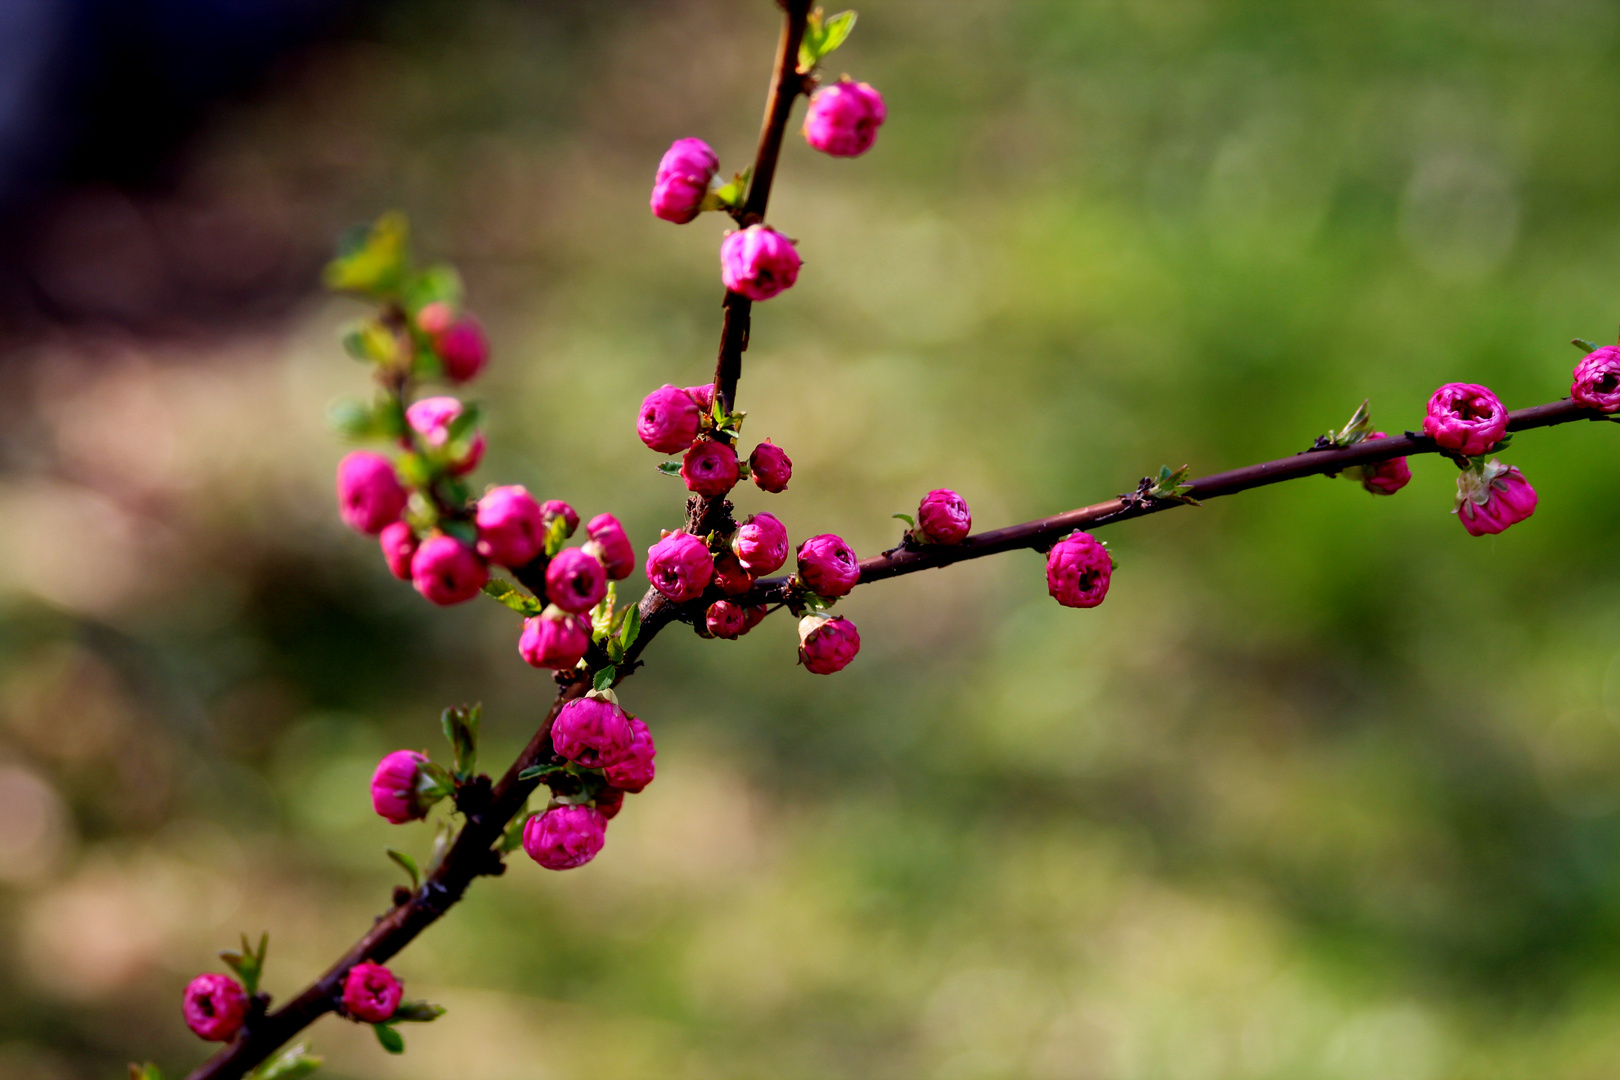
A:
(1327, 788)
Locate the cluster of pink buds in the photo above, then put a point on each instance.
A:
(1469, 421)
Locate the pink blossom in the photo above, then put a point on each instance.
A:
(463, 349)
(843, 118)
(1490, 500)
(396, 787)
(552, 508)
(679, 566)
(554, 639)
(943, 517)
(709, 468)
(575, 580)
(592, 732)
(446, 571)
(369, 495)
(770, 468)
(511, 528)
(215, 1007)
(828, 566)
(1077, 571)
(827, 645)
(669, 420)
(636, 771)
(729, 575)
(758, 262)
(398, 542)
(724, 619)
(565, 836)
(1465, 417)
(703, 395)
(682, 180)
(371, 992)
(612, 546)
(1385, 477)
(1597, 380)
(435, 318)
(431, 419)
(761, 544)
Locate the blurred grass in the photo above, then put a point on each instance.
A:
(1326, 789)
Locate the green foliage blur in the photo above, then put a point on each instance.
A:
(1326, 789)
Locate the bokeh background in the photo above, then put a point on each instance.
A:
(1327, 788)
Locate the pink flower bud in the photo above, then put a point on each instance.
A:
(758, 262)
(463, 349)
(612, 546)
(551, 508)
(725, 620)
(1385, 477)
(753, 616)
(609, 801)
(770, 468)
(446, 571)
(1077, 571)
(636, 771)
(943, 517)
(703, 395)
(369, 495)
(575, 580)
(729, 575)
(844, 118)
(215, 1007)
(1597, 380)
(511, 527)
(669, 420)
(554, 639)
(761, 544)
(565, 836)
(709, 468)
(398, 542)
(431, 419)
(679, 566)
(592, 732)
(827, 645)
(435, 318)
(1466, 418)
(827, 565)
(682, 180)
(1489, 501)
(396, 788)
(371, 993)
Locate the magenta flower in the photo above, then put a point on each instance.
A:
(636, 771)
(682, 180)
(729, 575)
(1385, 477)
(844, 118)
(565, 836)
(709, 468)
(371, 993)
(431, 419)
(215, 1007)
(724, 619)
(758, 262)
(612, 546)
(446, 571)
(554, 639)
(396, 787)
(575, 580)
(827, 565)
(943, 517)
(1597, 380)
(1466, 418)
(511, 528)
(609, 801)
(827, 645)
(1077, 571)
(398, 543)
(770, 468)
(703, 395)
(551, 508)
(1491, 499)
(679, 566)
(669, 420)
(761, 544)
(369, 495)
(592, 732)
(463, 349)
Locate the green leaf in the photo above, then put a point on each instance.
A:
(294, 1063)
(372, 261)
(730, 195)
(351, 419)
(371, 342)
(506, 593)
(512, 836)
(835, 30)
(535, 771)
(822, 35)
(437, 284)
(147, 1071)
(416, 1012)
(556, 534)
(604, 678)
(433, 781)
(407, 864)
(249, 963)
(390, 1039)
(461, 729)
(462, 530)
(413, 471)
(465, 421)
(389, 416)
(1584, 345)
(669, 468)
(907, 518)
(631, 627)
